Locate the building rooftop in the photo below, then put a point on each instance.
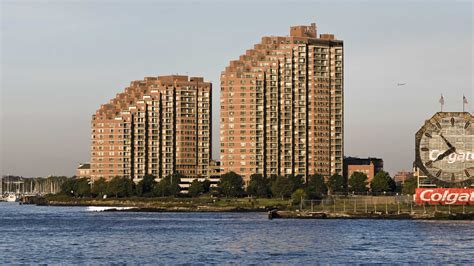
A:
(304, 31)
(84, 166)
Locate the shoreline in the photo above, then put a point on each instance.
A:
(165, 204)
(275, 214)
(275, 208)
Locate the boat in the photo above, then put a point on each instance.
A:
(12, 198)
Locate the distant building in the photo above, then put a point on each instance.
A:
(402, 176)
(369, 166)
(84, 170)
(282, 107)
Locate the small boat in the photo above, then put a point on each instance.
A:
(12, 198)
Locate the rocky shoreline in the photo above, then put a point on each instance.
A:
(278, 214)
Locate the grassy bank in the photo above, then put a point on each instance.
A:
(174, 204)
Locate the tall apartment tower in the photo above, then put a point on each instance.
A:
(158, 126)
(282, 107)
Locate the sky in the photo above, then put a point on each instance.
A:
(61, 59)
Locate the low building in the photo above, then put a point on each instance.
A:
(422, 179)
(214, 172)
(84, 170)
(402, 176)
(369, 166)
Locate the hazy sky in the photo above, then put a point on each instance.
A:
(61, 59)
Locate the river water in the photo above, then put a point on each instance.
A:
(32, 234)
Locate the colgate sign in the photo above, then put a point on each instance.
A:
(444, 196)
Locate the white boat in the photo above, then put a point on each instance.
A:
(12, 198)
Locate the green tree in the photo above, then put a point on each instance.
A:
(120, 187)
(258, 186)
(69, 187)
(83, 188)
(358, 182)
(161, 189)
(382, 182)
(282, 187)
(410, 185)
(206, 185)
(196, 188)
(168, 186)
(298, 195)
(231, 185)
(99, 187)
(145, 186)
(175, 180)
(316, 187)
(296, 182)
(336, 184)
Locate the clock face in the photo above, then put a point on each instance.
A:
(445, 147)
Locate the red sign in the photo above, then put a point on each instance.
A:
(444, 196)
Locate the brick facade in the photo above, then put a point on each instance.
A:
(158, 126)
(282, 107)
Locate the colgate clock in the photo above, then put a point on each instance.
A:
(445, 148)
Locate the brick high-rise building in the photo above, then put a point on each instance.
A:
(158, 126)
(282, 107)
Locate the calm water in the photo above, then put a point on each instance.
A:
(31, 234)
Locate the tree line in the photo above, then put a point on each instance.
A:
(120, 187)
(232, 185)
(315, 187)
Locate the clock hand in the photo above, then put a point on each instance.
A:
(444, 154)
(447, 142)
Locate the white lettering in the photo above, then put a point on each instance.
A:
(459, 156)
(445, 194)
(451, 198)
(464, 197)
(436, 197)
(452, 157)
(422, 195)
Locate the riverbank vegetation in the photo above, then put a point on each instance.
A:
(231, 185)
(203, 203)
